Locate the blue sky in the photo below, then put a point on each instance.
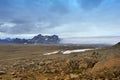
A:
(66, 18)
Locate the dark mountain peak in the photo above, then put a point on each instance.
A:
(40, 39)
(39, 35)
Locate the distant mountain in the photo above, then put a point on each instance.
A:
(18, 40)
(7, 40)
(15, 40)
(39, 39)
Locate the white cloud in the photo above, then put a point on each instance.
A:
(7, 25)
(66, 18)
(27, 36)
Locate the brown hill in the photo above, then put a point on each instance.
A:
(117, 45)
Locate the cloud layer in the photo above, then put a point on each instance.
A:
(67, 18)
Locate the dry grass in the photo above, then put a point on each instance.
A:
(27, 62)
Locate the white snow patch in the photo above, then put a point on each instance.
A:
(51, 53)
(70, 51)
(78, 50)
(46, 39)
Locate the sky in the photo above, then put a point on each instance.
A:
(65, 18)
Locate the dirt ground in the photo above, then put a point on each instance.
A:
(28, 62)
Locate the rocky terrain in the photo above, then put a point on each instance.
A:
(28, 62)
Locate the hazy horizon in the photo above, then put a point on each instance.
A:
(106, 40)
(92, 40)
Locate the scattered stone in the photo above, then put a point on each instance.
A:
(47, 79)
(83, 65)
(62, 74)
(13, 73)
(56, 78)
(67, 77)
(2, 72)
(74, 76)
(0, 77)
(41, 63)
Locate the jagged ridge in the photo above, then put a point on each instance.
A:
(39, 39)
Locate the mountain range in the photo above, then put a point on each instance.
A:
(39, 39)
